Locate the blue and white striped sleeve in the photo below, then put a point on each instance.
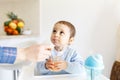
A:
(8, 54)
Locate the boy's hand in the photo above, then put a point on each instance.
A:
(60, 65)
(55, 65)
(49, 64)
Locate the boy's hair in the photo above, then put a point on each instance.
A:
(71, 26)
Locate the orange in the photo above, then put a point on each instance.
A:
(5, 28)
(9, 31)
(15, 21)
(15, 32)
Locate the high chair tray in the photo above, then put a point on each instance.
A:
(57, 75)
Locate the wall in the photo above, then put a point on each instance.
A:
(28, 10)
(95, 21)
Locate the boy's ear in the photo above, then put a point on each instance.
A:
(71, 40)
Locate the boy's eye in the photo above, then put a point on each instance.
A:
(61, 32)
(54, 31)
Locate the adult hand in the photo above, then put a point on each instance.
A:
(37, 52)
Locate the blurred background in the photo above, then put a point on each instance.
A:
(96, 21)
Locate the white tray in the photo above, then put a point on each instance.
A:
(59, 75)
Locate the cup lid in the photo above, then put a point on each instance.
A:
(94, 62)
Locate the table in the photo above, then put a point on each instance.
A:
(67, 78)
(60, 77)
(27, 73)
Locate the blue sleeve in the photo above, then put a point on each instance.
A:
(41, 68)
(8, 54)
(75, 64)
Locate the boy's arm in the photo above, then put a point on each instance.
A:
(74, 68)
(40, 68)
(75, 65)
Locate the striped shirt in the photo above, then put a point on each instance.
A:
(8, 54)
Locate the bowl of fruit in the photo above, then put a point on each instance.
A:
(14, 25)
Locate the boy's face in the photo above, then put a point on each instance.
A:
(61, 35)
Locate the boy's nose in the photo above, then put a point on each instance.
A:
(56, 34)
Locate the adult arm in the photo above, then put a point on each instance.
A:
(37, 52)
